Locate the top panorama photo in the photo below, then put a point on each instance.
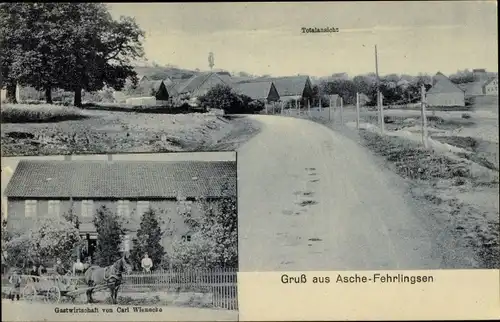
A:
(371, 147)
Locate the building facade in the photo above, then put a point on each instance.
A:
(49, 189)
(491, 87)
(445, 93)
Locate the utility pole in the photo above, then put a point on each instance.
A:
(341, 111)
(379, 105)
(357, 111)
(424, 118)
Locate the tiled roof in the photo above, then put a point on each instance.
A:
(255, 90)
(121, 179)
(194, 84)
(442, 84)
(286, 86)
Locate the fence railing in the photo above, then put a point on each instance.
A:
(219, 284)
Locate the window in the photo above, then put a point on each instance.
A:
(54, 208)
(142, 207)
(30, 208)
(125, 244)
(123, 208)
(87, 208)
(186, 238)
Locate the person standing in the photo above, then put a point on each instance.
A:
(146, 263)
(15, 280)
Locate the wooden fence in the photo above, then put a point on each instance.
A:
(219, 284)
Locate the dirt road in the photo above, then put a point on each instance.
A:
(310, 199)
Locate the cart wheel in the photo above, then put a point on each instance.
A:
(53, 295)
(29, 293)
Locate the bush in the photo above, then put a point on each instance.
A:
(466, 116)
(39, 113)
(49, 239)
(223, 97)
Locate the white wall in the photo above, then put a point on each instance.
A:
(446, 99)
(492, 88)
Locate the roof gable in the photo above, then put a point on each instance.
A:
(254, 90)
(121, 179)
(195, 84)
(287, 86)
(442, 84)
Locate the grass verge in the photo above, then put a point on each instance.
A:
(39, 113)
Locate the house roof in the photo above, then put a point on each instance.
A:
(489, 81)
(193, 84)
(443, 84)
(121, 179)
(286, 86)
(256, 90)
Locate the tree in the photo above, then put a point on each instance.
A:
(12, 25)
(214, 242)
(74, 46)
(222, 97)
(50, 238)
(100, 50)
(110, 230)
(148, 239)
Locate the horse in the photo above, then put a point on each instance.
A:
(110, 276)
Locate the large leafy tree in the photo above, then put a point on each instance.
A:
(214, 242)
(12, 27)
(149, 239)
(73, 46)
(109, 227)
(100, 50)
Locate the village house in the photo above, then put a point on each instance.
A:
(444, 92)
(491, 87)
(264, 91)
(478, 86)
(39, 189)
(199, 85)
(290, 88)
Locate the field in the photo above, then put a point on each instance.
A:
(54, 129)
(455, 180)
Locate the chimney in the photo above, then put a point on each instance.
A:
(67, 157)
(110, 157)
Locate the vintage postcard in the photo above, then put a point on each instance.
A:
(366, 182)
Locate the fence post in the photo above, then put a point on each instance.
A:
(330, 109)
(381, 113)
(424, 118)
(341, 111)
(357, 111)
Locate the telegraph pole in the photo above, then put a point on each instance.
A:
(379, 105)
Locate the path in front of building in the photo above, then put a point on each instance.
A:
(311, 199)
(26, 311)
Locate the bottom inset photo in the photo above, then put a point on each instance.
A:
(120, 237)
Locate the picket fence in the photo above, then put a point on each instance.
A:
(221, 284)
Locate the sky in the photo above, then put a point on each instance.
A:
(266, 38)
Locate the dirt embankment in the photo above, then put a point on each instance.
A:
(120, 132)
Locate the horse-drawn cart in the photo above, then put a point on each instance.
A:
(50, 288)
